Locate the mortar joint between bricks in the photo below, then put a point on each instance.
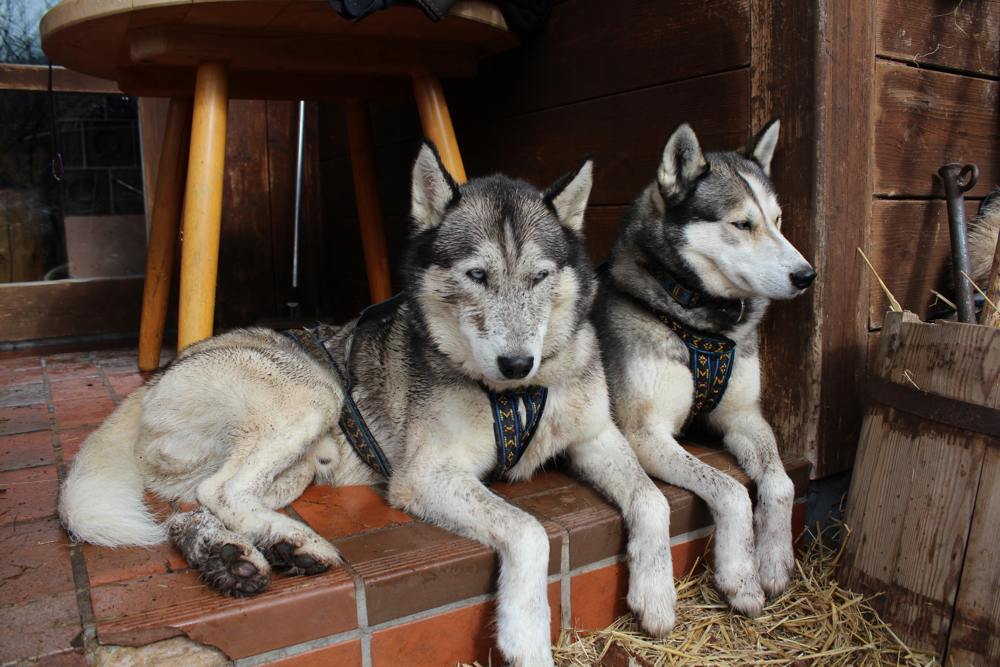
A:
(361, 601)
(78, 565)
(115, 398)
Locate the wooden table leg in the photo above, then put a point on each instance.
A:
(203, 206)
(163, 229)
(437, 125)
(359, 135)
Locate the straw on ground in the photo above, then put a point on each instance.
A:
(814, 622)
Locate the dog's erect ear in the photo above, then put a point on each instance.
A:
(761, 148)
(432, 191)
(683, 163)
(568, 196)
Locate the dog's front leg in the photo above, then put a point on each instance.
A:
(456, 500)
(736, 574)
(609, 464)
(750, 438)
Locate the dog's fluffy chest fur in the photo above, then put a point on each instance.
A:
(413, 399)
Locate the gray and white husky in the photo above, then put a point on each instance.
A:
(699, 256)
(497, 302)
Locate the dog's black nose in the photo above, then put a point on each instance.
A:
(802, 279)
(515, 368)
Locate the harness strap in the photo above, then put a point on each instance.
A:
(711, 359)
(511, 435)
(351, 422)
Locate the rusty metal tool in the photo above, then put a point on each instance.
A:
(959, 179)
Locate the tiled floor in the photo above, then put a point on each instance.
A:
(410, 593)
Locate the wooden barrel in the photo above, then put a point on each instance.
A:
(924, 504)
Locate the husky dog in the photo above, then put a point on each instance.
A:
(699, 256)
(496, 307)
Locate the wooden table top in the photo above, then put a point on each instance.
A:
(275, 49)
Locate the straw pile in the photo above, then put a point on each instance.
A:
(814, 622)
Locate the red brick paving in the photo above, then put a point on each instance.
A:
(28, 493)
(46, 625)
(17, 377)
(23, 419)
(35, 561)
(338, 512)
(78, 389)
(18, 395)
(341, 654)
(125, 384)
(26, 449)
(84, 411)
(71, 439)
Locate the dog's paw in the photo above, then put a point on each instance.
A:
(653, 603)
(524, 653)
(229, 569)
(523, 633)
(776, 561)
(313, 557)
(740, 584)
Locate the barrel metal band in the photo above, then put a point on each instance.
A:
(936, 408)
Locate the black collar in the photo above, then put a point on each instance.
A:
(732, 310)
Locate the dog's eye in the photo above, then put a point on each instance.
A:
(477, 276)
(745, 225)
(539, 277)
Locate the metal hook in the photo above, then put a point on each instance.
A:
(58, 169)
(967, 177)
(958, 179)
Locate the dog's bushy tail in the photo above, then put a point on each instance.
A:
(101, 501)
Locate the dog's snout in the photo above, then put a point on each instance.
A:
(802, 278)
(515, 368)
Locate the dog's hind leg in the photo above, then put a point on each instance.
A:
(607, 463)
(286, 488)
(750, 438)
(236, 493)
(458, 501)
(227, 562)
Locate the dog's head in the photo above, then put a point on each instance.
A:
(497, 268)
(721, 217)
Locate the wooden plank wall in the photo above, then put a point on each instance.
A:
(608, 79)
(936, 73)
(811, 67)
(255, 255)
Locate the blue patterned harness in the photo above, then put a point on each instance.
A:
(711, 359)
(711, 356)
(511, 433)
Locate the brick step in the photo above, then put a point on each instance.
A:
(410, 593)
